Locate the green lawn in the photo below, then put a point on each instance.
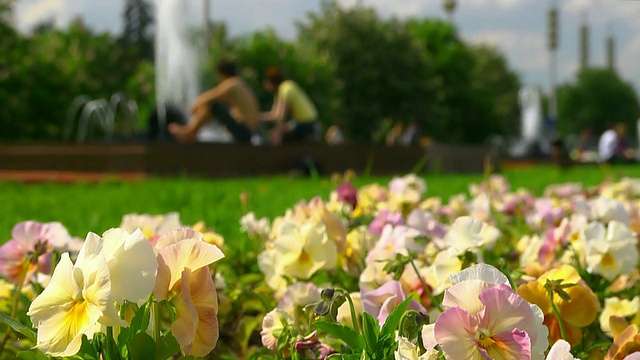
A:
(98, 207)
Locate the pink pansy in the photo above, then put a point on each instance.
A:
(398, 239)
(516, 203)
(428, 226)
(545, 215)
(178, 250)
(348, 194)
(485, 318)
(196, 324)
(29, 237)
(381, 301)
(497, 331)
(561, 350)
(183, 260)
(384, 218)
(563, 191)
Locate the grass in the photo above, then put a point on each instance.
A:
(98, 207)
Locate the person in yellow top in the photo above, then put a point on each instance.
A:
(290, 102)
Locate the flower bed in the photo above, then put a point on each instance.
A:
(380, 271)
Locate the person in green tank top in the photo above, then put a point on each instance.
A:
(295, 115)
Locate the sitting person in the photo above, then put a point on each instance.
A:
(613, 147)
(290, 102)
(232, 103)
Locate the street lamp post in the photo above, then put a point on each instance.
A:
(449, 6)
(206, 31)
(553, 62)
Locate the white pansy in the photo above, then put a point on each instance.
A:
(610, 251)
(437, 274)
(132, 264)
(78, 301)
(606, 210)
(467, 233)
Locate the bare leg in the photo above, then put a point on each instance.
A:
(187, 133)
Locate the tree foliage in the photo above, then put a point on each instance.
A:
(362, 71)
(379, 71)
(597, 99)
(497, 87)
(137, 33)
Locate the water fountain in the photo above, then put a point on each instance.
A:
(531, 141)
(118, 116)
(179, 60)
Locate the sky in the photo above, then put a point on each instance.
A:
(517, 28)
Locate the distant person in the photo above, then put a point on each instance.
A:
(394, 134)
(290, 102)
(585, 148)
(334, 136)
(232, 103)
(613, 145)
(160, 118)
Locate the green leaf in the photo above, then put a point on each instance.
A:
(18, 326)
(142, 347)
(138, 324)
(393, 319)
(32, 355)
(247, 325)
(88, 348)
(370, 331)
(248, 279)
(166, 347)
(344, 333)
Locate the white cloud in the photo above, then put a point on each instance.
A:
(604, 12)
(628, 62)
(401, 9)
(31, 13)
(502, 4)
(525, 50)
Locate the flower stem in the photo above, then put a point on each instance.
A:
(352, 308)
(156, 320)
(16, 300)
(425, 287)
(556, 313)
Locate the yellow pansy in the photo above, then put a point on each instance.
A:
(576, 313)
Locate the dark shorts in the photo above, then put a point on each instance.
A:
(240, 132)
(302, 132)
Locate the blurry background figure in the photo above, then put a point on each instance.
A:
(401, 135)
(158, 127)
(614, 147)
(232, 103)
(585, 148)
(334, 135)
(394, 134)
(290, 103)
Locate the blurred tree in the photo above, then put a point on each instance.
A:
(138, 28)
(459, 115)
(497, 86)
(599, 97)
(378, 69)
